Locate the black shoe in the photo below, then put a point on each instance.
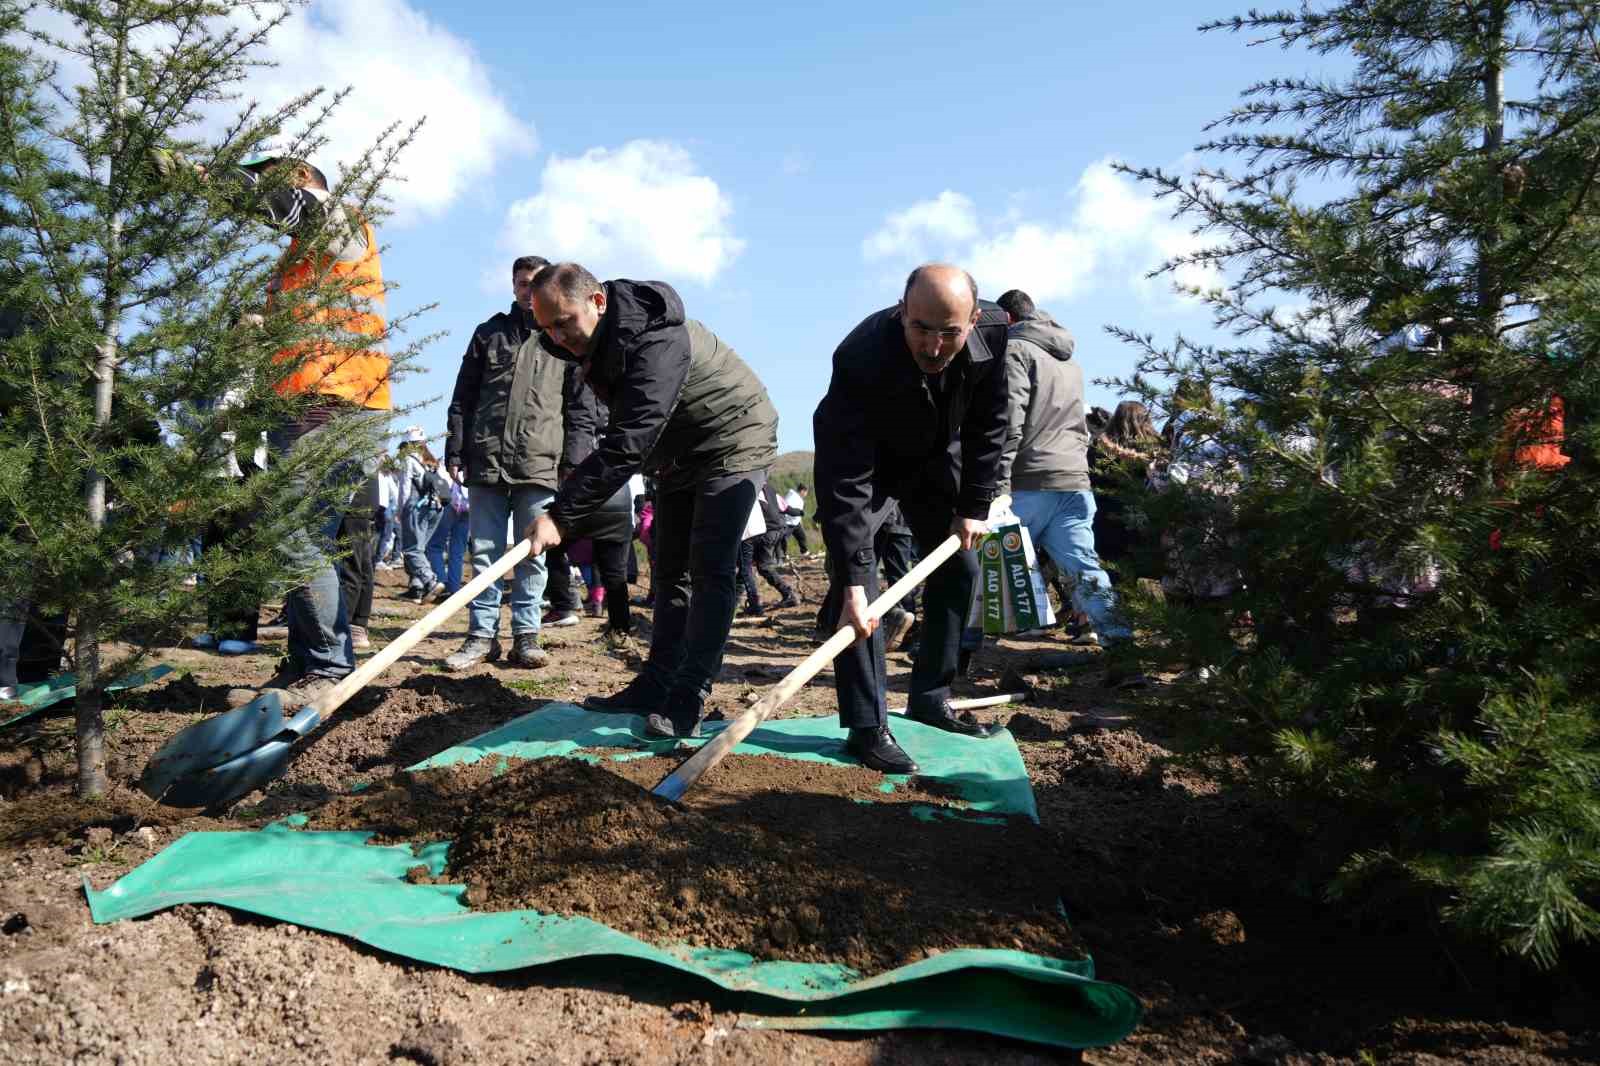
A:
(789, 600)
(641, 696)
(752, 610)
(942, 717)
(659, 725)
(877, 749)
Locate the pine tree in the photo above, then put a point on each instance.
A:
(1403, 543)
(131, 279)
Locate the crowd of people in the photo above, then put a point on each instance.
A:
(590, 414)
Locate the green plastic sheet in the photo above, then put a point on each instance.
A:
(43, 694)
(336, 882)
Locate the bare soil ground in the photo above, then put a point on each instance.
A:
(1180, 886)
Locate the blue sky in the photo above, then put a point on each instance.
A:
(783, 168)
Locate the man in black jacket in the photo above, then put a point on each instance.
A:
(505, 440)
(915, 412)
(686, 410)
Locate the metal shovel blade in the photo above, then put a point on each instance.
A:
(188, 771)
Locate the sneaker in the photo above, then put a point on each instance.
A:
(420, 593)
(897, 624)
(238, 647)
(640, 696)
(752, 610)
(559, 618)
(204, 641)
(474, 650)
(525, 651)
(359, 638)
(592, 609)
(789, 600)
(7, 693)
(442, 592)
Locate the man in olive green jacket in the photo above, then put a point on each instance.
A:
(504, 441)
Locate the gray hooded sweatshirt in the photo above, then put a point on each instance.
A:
(1047, 439)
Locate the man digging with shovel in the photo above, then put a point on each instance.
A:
(688, 411)
(915, 411)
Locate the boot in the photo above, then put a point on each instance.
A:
(525, 650)
(473, 651)
(680, 717)
(642, 695)
(897, 624)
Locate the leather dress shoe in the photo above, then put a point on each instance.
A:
(877, 749)
(941, 716)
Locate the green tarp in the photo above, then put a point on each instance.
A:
(40, 695)
(335, 882)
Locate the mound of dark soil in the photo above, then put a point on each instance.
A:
(772, 857)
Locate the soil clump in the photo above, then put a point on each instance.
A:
(773, 857)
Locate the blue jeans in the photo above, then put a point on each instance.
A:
(1062, 525)
(492, 507)
(447, 548)
(318, 618)
(417, 523)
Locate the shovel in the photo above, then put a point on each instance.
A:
(712, 752)
(213, 763)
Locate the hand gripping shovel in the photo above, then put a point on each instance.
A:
(712, 752)
(213, 763)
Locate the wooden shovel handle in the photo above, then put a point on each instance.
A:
(712, 752)
(331, 700)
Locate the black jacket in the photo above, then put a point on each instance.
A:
(504, 423)
(684, 407)
(886, 431)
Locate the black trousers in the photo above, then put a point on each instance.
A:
(611, 568)
(896, 546)
(559, 589)
(759, 555)
(800, 537)
(696, 537)
(896, 549)
(860, 674)
(358, 540)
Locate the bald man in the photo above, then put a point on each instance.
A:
(915, 412)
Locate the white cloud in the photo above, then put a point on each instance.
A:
(634, 211)
(401, 67)
(1110, 235)
(923, 229)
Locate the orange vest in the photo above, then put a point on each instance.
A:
(1538, 436)
(362, 375)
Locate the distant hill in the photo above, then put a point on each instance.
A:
(792, 467)
(795, 467)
